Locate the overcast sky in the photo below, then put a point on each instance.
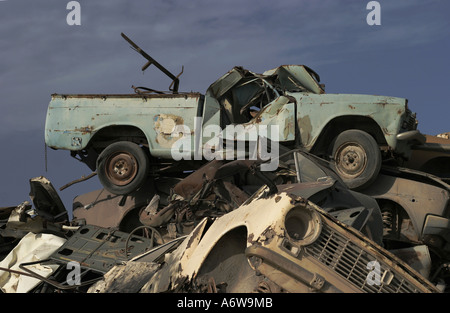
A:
(40, 54)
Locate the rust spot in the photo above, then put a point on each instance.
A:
(383, 103)
(305, 129)
(132, 95)
(289, 128)
(250, 238)
(267, 235)
(84, 130)
(386, 131)
(277, 199)
(165, 127)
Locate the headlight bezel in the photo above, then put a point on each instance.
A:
(303, 225)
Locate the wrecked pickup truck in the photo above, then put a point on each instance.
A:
(127, 137)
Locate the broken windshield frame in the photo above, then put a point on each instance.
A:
(304, 166)
(175, 79)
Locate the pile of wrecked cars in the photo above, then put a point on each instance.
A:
(352, 198)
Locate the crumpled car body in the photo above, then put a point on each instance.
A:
(311, 112)
(219, 187)
(46, 213)
(270, 243)
(415, 207)
(282, 243)
(105, 209)
(433, 157)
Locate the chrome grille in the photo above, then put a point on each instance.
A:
(350, 262)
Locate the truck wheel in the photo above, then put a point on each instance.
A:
(357, 158)
(122, 167)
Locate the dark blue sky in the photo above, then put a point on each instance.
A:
(40, 54)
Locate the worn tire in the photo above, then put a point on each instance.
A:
(356, 158)
(122, 167)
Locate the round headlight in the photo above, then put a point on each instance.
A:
(303, 224)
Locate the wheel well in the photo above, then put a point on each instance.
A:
(130, 220)
(110, 134)
(343, 123)
(397, 224)
(437, 166)
(106, 136)
(231, 243)
(226, 262)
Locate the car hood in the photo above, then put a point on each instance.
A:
(46, 200)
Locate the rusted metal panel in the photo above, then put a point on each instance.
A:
(280, 113)
(73, 121)
(294, 77)
(208, 191)
(417, 257)
(46, 200)
(314, 112)
(105, 209)
(99, 249)
(433, 156)
(422, 197)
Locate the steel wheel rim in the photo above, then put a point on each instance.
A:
(351, 160)
(121, 168)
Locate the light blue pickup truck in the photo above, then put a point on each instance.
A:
(124, 138)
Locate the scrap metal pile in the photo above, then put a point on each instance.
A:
(327, 193)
